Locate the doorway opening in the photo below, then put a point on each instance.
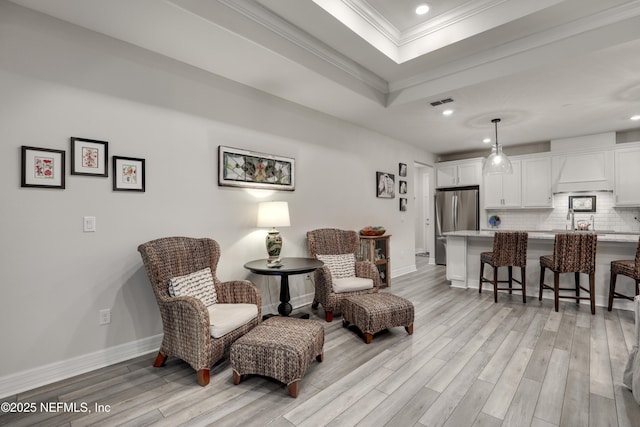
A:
(423, 201)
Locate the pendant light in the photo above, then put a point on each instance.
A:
(497, 162)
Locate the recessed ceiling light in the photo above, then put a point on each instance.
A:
(447, 112)
(422, 9)
(636, 117)
(486, 140)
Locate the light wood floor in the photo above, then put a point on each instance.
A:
(470, 362)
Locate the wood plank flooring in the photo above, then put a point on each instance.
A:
(470, 362)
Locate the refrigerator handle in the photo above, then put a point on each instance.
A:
(454, 212)
(438, 219)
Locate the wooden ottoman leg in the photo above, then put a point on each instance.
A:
(236, 378)
(368, 338)
(320, 357)
(409, 329)
(294, 389)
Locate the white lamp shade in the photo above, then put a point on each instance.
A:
(273, 214)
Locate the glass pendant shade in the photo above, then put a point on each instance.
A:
(497, 162)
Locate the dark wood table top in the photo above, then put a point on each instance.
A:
(288, 266)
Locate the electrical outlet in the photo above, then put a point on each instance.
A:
(104, 316)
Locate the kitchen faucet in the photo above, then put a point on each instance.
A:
(571, 216)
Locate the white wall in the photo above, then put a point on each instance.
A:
(59, 81)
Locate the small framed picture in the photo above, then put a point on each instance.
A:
(128, 174)
(582, 203)
(385, 185)
(42, 167)
(403, 187)
(402, 169)
(403, 204)
(89, 157)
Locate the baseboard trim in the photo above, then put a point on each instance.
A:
(32, 378)
(404, 270)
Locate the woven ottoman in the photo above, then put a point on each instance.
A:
(280, 348)
(372, 313)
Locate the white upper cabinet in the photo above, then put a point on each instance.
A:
(627, 176)
(503, 191)
(536, 183)
(459, 173)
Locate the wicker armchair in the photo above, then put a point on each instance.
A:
(331, 241)
(185, 319)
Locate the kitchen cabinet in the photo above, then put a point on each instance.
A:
(459, 173)
(503, 191)
(376, 250)
(627, 177)
(536, 183)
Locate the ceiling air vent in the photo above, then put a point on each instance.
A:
(442, 101)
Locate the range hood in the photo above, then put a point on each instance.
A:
(583, 164)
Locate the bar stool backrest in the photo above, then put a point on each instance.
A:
(575, 252)
(510, 248)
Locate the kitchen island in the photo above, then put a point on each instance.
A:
(463, 262)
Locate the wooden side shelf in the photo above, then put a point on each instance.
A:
(376, 250)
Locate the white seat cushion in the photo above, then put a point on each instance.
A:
(350, 284)
(225, 318)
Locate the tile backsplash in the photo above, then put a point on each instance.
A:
(606, 217)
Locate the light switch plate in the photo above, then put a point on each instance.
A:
(89, 224)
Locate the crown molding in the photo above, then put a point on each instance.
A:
(577, 28)
(303, 40)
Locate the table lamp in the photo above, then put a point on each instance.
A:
(273, 214)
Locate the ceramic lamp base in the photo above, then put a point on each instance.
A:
(274, 246)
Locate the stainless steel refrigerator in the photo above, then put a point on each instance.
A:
(456, 209)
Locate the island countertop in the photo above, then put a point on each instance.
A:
(622, 237)
(464, 249)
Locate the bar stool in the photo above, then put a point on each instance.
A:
(509, 250)
(572, 253)
(629, 268)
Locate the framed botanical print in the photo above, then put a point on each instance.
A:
(42, 167)
(89, 157)
(128, 174)
(249, 169)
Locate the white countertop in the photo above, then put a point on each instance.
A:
(548, 235)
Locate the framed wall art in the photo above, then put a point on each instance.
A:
(403, 204)
(402, 169)
(402, 189)
(242, 168)
(89, 157)
(385, 185)
(582, 203)
(128, 174)
(42, 167)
